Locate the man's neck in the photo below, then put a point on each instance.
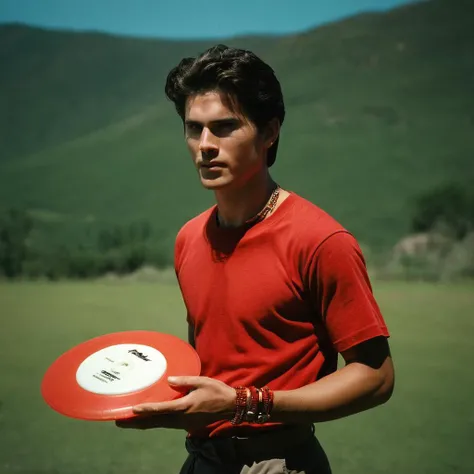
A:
(236, 206)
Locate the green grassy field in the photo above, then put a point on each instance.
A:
(427, 427)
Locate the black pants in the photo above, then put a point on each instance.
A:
(281, 451)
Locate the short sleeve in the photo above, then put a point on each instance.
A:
(340, 288)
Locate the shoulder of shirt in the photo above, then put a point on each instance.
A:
(314, 233)
(310, 220)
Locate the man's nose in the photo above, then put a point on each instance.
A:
(208, 143)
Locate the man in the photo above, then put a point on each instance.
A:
(274, 289)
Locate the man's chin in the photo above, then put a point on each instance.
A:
(216, 183)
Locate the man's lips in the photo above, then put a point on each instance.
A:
(212, 165)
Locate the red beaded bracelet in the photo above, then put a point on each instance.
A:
(243, 394)
(253, 412)
(266, 405)
(253, 405)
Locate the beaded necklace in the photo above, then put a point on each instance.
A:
(260, 216)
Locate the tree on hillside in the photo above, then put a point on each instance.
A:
(15, 228)
(125, 248)
(450, 206)
(121, 236)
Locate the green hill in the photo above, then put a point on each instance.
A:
(380, 109)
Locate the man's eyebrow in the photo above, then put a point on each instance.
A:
(192, 122)
(230, 120)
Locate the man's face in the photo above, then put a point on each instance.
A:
(226, 148)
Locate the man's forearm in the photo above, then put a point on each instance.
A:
(352, 389)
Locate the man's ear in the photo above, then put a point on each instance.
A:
(271, 132)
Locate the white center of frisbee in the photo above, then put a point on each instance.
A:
(121, 369)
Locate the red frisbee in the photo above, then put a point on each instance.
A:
(104, 377)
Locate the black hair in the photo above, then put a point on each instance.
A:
(238, 73)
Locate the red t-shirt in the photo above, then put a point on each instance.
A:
(274, 304)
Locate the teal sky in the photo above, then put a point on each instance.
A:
(186, 18)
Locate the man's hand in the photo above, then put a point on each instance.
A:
(209, 400)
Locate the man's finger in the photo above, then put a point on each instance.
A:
(187, 381)
(160, 408)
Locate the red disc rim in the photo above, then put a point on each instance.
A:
(63, 394)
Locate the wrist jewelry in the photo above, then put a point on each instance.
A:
(253, 405)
